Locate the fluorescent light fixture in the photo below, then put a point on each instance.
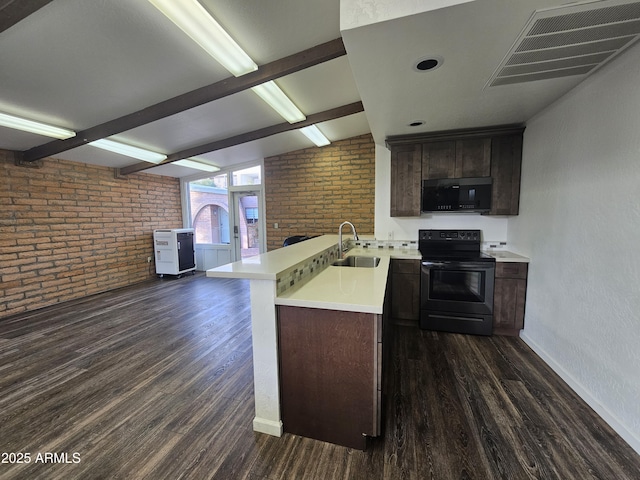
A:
(314, 134)
(194, 163)
(128, 150)
(194, 20)
(35, 127)
(276, 98)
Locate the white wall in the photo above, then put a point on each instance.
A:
(356, 13)
(579, 223)
(494, 229)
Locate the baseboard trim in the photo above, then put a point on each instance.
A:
(269, 427)
(601, 410)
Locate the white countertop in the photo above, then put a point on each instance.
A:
(268, 265)
(506, 256)
(351, 289)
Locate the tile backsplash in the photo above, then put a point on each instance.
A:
(395, 244)
(305, 270)
(488, 245)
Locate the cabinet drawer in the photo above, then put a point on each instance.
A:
(408, 266)
(511, 270)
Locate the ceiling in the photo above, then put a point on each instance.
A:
(471, 38)
(80, 64)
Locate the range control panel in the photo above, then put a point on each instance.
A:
(450, 235)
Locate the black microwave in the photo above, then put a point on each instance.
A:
(457, 195)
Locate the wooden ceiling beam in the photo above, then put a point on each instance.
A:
(270, 71)
(13, 11)
(325, 116)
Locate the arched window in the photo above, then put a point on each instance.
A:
(211, 224)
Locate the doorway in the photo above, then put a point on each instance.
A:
(226, 211)
(247, 226)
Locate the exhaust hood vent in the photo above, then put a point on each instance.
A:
(569, 40)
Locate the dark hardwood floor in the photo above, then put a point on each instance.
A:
(155, 381)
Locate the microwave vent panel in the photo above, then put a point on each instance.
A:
(569, 40)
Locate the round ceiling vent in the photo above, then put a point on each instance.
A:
(428, 63)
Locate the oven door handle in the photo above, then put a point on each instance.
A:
(434, 264)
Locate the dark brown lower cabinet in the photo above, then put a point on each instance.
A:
(330, 374)
(509, 298)
(405, 289)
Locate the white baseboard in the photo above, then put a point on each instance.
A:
(583, 393)
(269, 427)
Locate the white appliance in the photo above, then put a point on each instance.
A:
(174, 251)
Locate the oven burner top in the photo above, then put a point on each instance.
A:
(458, 257)
(452, 245)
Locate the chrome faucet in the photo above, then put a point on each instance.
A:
(341, 248)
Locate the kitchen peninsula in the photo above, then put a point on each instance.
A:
(301, 276)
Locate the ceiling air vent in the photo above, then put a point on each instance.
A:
(569, 40)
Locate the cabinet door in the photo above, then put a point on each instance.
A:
(438, 160)
(405, 293)
(473, 158)
(508, 305)
(328, 374)
(506, 161)
(405, 289)
(406, 188)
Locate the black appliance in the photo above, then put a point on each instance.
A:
(456, 282)
(457, 195)
(295, 239)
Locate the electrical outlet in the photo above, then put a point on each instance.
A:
(149, 259)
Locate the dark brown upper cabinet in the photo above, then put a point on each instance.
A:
(473, 157)
(489, 152)
(506, 161)
(438, 160)
(456, 159)
(406, 165)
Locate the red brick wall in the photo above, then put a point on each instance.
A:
(68, 230)
(312, 191)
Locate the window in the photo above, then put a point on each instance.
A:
(251, 214)
(247, 176)
(209, 198)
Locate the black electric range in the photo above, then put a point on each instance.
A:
(457, 282)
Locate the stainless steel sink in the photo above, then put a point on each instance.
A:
(357, 261)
